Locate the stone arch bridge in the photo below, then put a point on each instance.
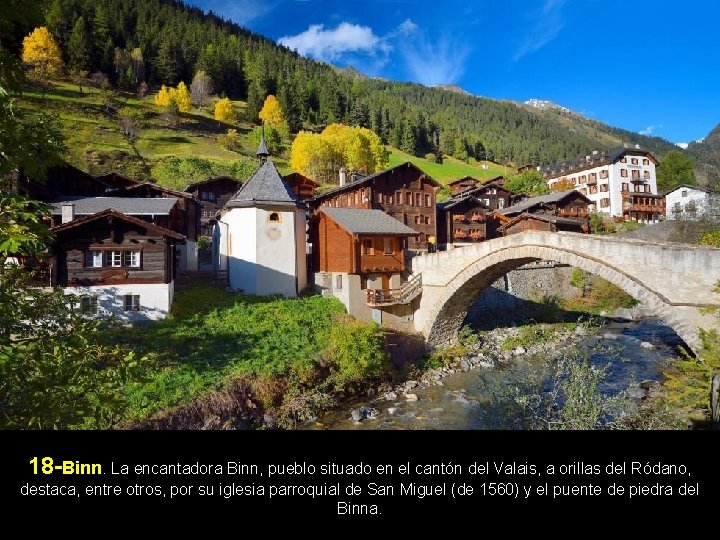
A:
(674, 281)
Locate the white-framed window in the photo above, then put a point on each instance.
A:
(116, 259)
(131, 259)
(93, 259)
(132, 302)
(501, 203)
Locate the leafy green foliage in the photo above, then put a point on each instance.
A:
(577, 278)
(531, 183)
(529, 335)
(711, 238)
(600, 223)
(178, 172)
(675, 169)
(356, 352)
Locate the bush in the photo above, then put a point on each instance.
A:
(577, 279)
(231, 140)
(355, 352)
(430, 156)
(711, 239)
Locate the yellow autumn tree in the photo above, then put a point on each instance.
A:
(182, 97)
(272, 114)
(163, 97)
(41, 54)
(321, 156)
(224, 111)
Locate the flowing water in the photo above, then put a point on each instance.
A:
(466, 399)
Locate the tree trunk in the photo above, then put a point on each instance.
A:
(715, 399)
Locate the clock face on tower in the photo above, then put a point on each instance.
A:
(273, 233)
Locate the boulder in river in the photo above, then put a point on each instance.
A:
(519, 351)
(389, 396)
(647, 345)
(411, 397)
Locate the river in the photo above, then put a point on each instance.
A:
(466, 399)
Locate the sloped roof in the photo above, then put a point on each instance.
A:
(162, 189)
(156, 206)
(265, 186)
(541, 199)
(123, 217)
(451, 203)
(362, 221)
(601, 158)
(367, 179)
(688, 186)
(200, 183)
(544, 217)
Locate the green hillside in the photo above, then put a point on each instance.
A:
(451, 168)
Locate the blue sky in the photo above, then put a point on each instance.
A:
(651, 66)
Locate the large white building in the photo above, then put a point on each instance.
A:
(620, 183)
(692, 202)
(261, 237)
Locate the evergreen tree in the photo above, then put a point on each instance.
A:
(167, 63)
(80, 46)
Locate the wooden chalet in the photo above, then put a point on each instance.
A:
(570, 203)
(404, 192)
(542, 222)
(111, 248)
(525, 168)
(301, 185)
(492, 193)
(462, 184)
(187, 220)
(462, 220)
(61, 181)
(213, 194)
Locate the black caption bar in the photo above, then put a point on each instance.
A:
(352, 475)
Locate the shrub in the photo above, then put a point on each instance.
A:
(577, 279)
(355, 352)
(711, 239)
(430, 156)
(231, 140)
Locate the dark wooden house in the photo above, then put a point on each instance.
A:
(569, 203)
(492, 193)
(213, 194)
(542, 222)
(301, 185)
(111, 248)
(462, 219)
(405, 192)
(61, 181)
(116, 264)
(462, 184)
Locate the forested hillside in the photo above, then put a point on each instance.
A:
(707, 154)
(164, 42)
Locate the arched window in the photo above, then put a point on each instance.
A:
(274, 217)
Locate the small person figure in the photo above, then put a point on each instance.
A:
(432, 244)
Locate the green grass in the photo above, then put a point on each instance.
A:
(451, 168)
(214, 336)
(97, 145)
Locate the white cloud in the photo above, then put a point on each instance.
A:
(407, 27)
(331, 44)
(650, 130)
(431, 63)
(682, 145)
(548, 22)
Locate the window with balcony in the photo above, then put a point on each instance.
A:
(604, 187)
(647, 188)
(623, 173)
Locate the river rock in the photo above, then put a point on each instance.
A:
(357, 414)
(392, 410)
(519, 351)
(371, 413)
(636, 392)
(269, 421)
(610, 335)
(580, 330)
(647, 345)
(648, 384)
(390, 396)
(411, 384)
(411, 397)
(464, 364)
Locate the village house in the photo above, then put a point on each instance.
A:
(404, 192)
(301, 185)
(620, 183)
(260, 239)
(493, 194)
(462, 184)
(692, 202)
(558, 211)
(462, 220)
(213, 194)
(117, 264)
(358, 257)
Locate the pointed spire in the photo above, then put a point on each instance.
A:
(262, 151)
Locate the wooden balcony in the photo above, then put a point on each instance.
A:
(392, 297)
(382, 263)
(573, 213)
